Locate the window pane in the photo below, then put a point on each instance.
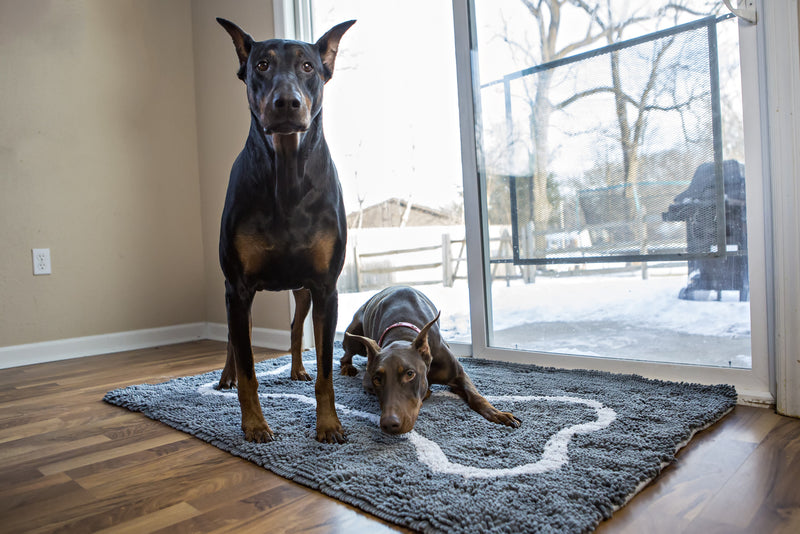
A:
(612, 152)
(391, 120)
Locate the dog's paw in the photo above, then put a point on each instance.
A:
(331, 434)
(258, 433)
(505, 418)
(349, 369)
(226, 383)
(490, 413)
(301, 375)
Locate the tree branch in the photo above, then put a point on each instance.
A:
(583, 94)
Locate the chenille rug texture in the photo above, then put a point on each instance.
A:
(589, 442)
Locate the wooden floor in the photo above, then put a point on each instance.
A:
(71, 463)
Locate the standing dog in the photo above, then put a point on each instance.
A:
(409, 355)
(283, 225)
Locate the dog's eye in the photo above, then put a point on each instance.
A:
(376, 380)
(262, 65)
(410, 374)
(308, 67)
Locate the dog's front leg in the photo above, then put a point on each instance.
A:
(464, 388)
(324, 314)
(253, 424)
(302, 303)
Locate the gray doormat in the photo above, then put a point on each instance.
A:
(589, 442)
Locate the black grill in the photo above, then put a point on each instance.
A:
(697, 206)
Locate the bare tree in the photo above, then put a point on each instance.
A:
(632, 106)
(632, 110)
(548, 17)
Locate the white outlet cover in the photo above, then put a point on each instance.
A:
(41, 261)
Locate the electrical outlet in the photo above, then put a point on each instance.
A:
(41, 261)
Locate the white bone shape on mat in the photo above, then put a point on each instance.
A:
(554, 455)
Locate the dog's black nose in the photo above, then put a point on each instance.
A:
(286, 100)
(390, 424)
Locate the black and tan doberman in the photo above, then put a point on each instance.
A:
(283, 224)
(407, 357)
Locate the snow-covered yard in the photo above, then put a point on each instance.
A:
(598, 315)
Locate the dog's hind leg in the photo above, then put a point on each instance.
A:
(228, 378)
(352, 347)
(324, 313)
(302, 303)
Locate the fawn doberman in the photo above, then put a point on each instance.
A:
(409, 355)
(283, 224)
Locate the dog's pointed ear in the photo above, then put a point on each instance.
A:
(421, 342)
(328, 45)
(243, 43)
(370, 344)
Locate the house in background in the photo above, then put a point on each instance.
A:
(397, 213)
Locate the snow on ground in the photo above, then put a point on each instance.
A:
(612, 315)
(626, 301)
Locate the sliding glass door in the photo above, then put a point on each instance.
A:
(613, 187)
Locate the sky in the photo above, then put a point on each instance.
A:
(390, 111)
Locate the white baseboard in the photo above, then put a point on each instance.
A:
(64, 349)
(262, 337)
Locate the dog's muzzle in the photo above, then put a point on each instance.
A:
(285, 112)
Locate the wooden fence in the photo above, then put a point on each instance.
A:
(368, 271)
(368, 265)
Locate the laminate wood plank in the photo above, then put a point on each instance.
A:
(234, 514)
(153, 521)
(15, 432)
(29, 449)
(111, 466)
(133, 479)
(147, 495)
(780, 508)
(318, 514)
(20, 492)
(758, 479)
(14, 479)
(41, 509)
(240, 480)
(110, 454)
(63, 445)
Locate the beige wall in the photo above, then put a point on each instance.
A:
(98, 162)
(223, 121)
(120, 121)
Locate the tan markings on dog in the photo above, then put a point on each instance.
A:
(286, 144)
(252, 250)
(322, 245)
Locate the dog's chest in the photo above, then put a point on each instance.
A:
(284, 253)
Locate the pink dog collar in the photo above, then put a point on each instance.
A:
(397, 325)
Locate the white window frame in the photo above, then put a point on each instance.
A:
(780, 78)
(292, 19)
(755, 385)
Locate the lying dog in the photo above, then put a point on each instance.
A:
(409, 355)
